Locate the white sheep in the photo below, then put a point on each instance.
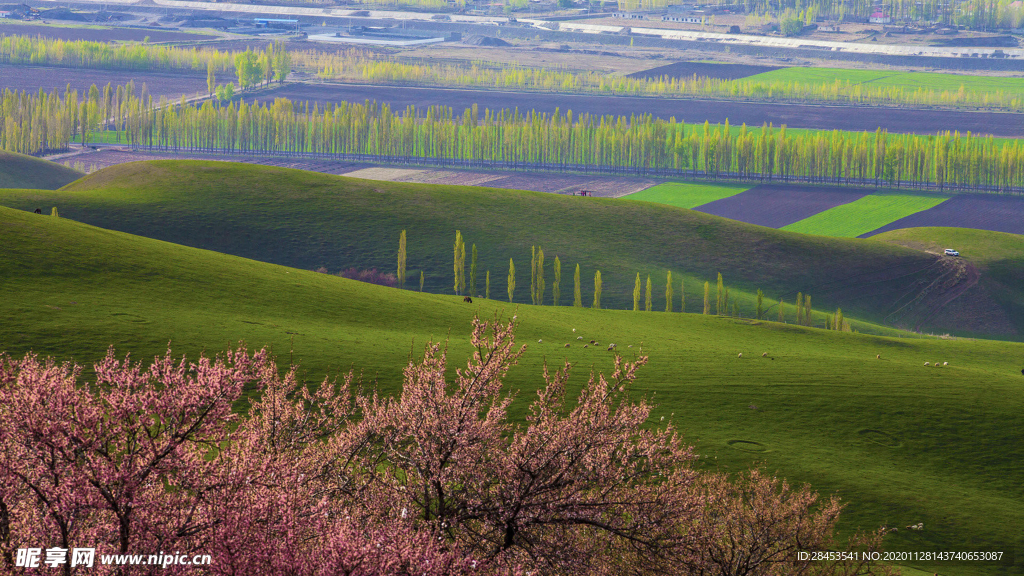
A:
(579, 337)
(927, 364)
(878, 356)
(764, 354)
(945, 363)
(573, 329)
(566, 345)
(740, 355)
(540, 341)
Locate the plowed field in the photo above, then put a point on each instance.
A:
(778, 205)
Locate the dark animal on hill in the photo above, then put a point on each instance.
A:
(467, 299)
(39, 210)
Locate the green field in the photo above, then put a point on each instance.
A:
(308, 220)
(866, 214)
(21, 171)
(901, 443)
(894, 78)
(687, 194)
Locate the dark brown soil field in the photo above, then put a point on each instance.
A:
(692, 111)
(99, 35)
(31, 79)
(980, 211)
(691, 69)
(778, 205)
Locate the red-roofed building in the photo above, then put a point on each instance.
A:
(880, 18)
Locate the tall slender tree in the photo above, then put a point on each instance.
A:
(533, 274)
(460, 263)
(540, 276)
(511, 279)
(707, 297)
(682, 296)
(556, 290)
(760, 304)
(668, 292)
(807, 310)
(422, 276)
(211, 79)
(782, 312)
(720, 300)
(472, 274)
(487, 288)
(648, 297)
(636, 293)
(577, 295)
(799, 308)
(401, 260)
(597, 290)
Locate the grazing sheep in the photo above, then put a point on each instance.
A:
(467, 299)
(878, 356)
(579, 337)
(585, 345)
(764, 354)
(740, 355)
(937, 364)
(540, 341)
(611, 347)
(630, 346)
(945, 363)
(927, 364)
(566, 345)
(573, 329)
(593, 341)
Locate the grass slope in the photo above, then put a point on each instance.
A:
(866, 214)
(21, 171)
(900, 442)
(998, 255)
(895, 79)
(307, 220)
(687, 194)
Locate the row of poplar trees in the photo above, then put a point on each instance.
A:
(31, 123)
(538, 287)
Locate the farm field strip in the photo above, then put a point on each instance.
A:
(779, 205)
(866, 214)
(99, 33)
(998, 213)
(31, 79)
(895, 79)
(687, 194)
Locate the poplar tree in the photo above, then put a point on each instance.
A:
(799, 308)
(577, 295)
(460, 263)
(472, 274)
(807, 309)
(648, 299)
(782, 314)
(760, 304)
(556, 291)
(636, 294)
(668, 292)
(533, 274)
(511, 279)
(487, 293)
(540, 276)
(421, 280)
(401, 260)
(597, 290)
(682, 296)
(735, 310)
(707, 297)
(720, 297)
(725, 302)
(211, 79)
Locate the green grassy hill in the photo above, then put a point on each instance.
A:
(901, 442)
(308, 220)
(21, 171)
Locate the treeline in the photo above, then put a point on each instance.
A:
(513, 139)
(87, 54)
(977, 14)
(361, 68)
(253, 67)
(640, 144)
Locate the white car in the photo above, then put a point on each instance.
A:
(951, 252)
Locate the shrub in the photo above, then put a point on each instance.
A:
(371, 276)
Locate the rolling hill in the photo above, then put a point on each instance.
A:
(21, 171)
(310, 220)
(900, 442)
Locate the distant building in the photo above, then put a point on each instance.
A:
(879, 18)
(4, 14)
(829, 28)
(681, 18)
(629, 15)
